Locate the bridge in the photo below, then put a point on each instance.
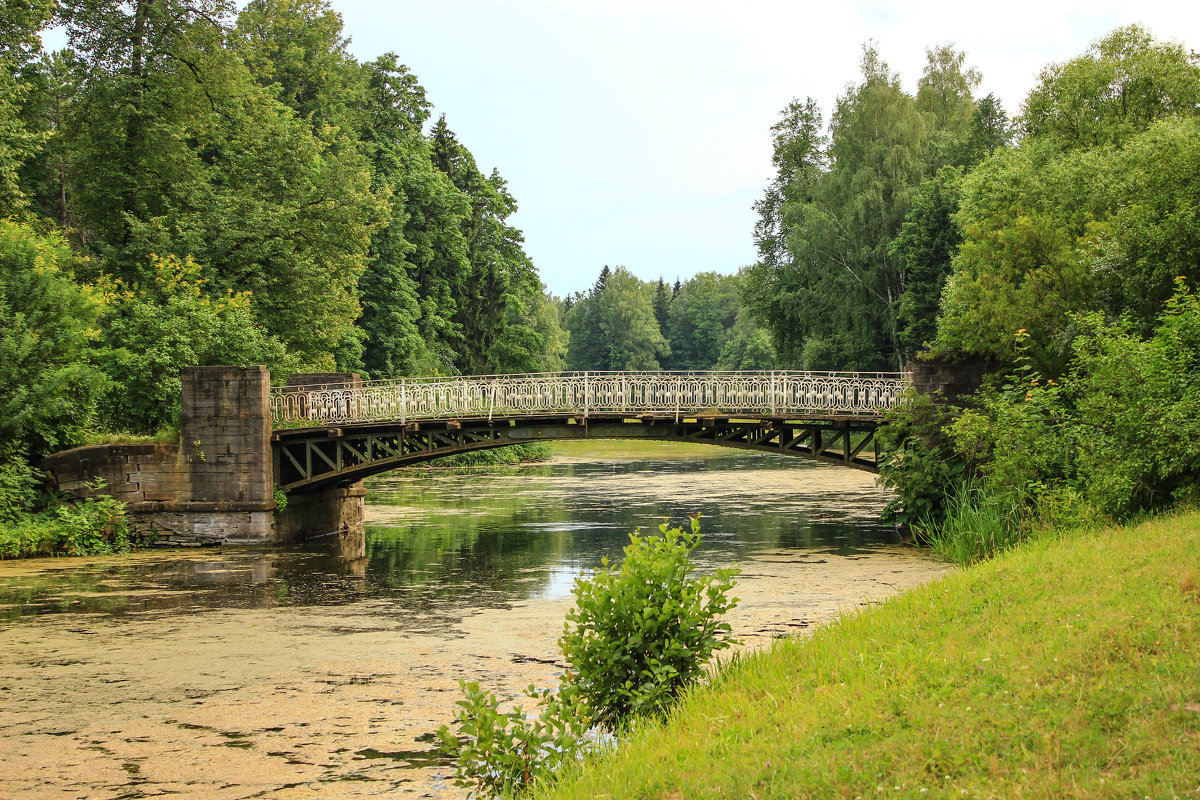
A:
(242, 443)
(337, 430)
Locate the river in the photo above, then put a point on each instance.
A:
(323, 670)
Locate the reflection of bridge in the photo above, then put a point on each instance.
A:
(341, 430)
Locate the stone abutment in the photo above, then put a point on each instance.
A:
(216, 484)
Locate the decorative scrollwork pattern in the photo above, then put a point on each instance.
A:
(588, 393)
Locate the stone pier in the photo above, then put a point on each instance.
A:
(217, 484)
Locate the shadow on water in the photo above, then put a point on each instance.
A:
(453, 539)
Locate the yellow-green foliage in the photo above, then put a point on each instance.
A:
(1065, 668)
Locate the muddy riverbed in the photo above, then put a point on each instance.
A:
(299, 672)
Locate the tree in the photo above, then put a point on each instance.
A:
(1093, 211)
(1123, 83)
(296, 49)
(988, 131)
(613, 326)
(588, 348)
(21, 22)
(923, 249)
(830, 298)
(945, 94)
(172, 321)
(747, 346)
(419, 256)
(700, 319)
(186, 154)
(662, 304)
(49, 386)
(628, 324)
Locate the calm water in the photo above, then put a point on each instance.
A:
(441, 538)
(305, 671)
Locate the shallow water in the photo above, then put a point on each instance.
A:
(301, 672)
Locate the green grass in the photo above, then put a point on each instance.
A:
(1066, 667)
(976, 526)
(167, 434)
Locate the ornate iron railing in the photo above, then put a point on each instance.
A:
(682, 394)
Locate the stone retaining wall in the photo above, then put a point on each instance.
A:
(217, 485)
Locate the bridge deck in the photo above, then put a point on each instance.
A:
(674, 395)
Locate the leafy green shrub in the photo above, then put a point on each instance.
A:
(1117, 438)
(644, 631)
(921, 461)
(1138, 406)
(18, 485)
(503, 754)
(95, 526)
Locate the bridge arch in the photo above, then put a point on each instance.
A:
(310, 459)
(319, 436)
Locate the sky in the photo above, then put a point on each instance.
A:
(637, 132)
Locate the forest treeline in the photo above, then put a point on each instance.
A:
(1056, 248)
(188, 184)
(624, 323)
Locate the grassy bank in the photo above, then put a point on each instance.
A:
(1065, 668)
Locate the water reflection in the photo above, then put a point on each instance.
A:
(527, 532)
(450, 540)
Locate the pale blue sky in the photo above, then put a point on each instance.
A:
(638, 133)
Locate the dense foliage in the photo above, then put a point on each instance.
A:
(1064, 260)
(188, 183)
(624, 323)
(847, 221)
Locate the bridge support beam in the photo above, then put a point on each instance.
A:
(226, 487)
(334, 511)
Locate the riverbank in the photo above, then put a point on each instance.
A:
(86, 528)
(1069, 667)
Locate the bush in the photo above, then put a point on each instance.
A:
(95, 526)
(644, 631)
(18, 485)
(506, 753)
(921, 461)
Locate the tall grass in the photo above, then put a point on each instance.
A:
(977, 525)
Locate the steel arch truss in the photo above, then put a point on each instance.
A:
(310, 459)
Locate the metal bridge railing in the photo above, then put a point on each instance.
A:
(587, 393)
